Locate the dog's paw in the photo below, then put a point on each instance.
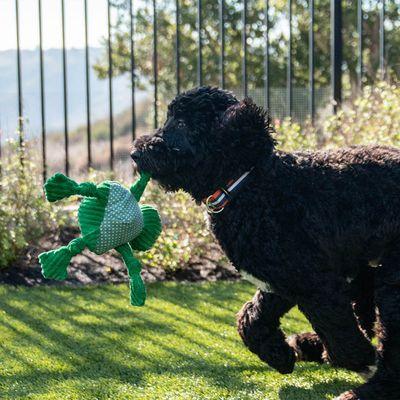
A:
(307, 347)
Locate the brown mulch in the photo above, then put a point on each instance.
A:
(89, 268)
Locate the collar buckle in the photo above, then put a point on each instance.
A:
(210, 208)
(216, 202)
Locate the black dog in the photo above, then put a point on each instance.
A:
(321, 228)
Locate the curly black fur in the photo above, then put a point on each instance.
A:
(308, 223)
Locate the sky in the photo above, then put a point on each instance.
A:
(29, 28)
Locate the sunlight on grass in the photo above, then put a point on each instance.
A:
(89, 343)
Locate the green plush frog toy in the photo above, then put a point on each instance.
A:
(110, 217)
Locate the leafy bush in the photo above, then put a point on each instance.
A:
(24, 214)
(373, 118)
(184, 234)
(292, 136)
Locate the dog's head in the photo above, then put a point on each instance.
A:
(209, 137)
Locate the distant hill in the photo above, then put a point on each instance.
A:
(54, 90)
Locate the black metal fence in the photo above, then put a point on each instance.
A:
(336, 28)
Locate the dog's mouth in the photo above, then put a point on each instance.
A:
(142, 163)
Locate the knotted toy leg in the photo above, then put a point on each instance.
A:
(60, 186)
(137, 287)
(55, 262)
(139, 186)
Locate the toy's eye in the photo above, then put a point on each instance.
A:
(181, 124)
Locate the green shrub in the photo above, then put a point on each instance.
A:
(184, 234)
(292, 136)
(24, 214)
(373, 118)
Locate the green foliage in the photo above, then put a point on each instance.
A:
(256, 43)
(24, 213)
(89, 343)
(292, 136)
(374, 118)
(184, 233)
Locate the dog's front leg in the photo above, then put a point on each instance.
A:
(258, 326)
(328, 308)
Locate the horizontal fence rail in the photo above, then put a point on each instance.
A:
(336, 44)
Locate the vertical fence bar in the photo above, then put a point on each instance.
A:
(65, 86)
(289, 63)
(244, 48)
(133, 69)
(177, 47)
(382, 38)
(110, 86)
(19, 83)
(42, 100)
(360, 66)
(222, 42)
(267, 92)
(88, 108)
(155, 64)
(200, 44)
(311, 55)
(336, 53)
(1, 155)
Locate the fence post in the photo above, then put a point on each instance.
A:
(42, 99)
(200, 43)
(110, 85)
(87, 81)
(155, 64)
(360, 43)
(19, 83)
(336, 52)
(133, 68)
(311, 61)
(382, 39)
(222, 42)
(289, 90)
(178, 46)
(65, 88)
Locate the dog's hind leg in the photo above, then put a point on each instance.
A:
(385, 384)
(309, 347)
(363, 287)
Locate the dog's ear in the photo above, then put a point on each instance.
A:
(245, 122)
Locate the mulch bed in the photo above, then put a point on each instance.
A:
(89, 268)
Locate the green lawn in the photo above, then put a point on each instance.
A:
(88, 343)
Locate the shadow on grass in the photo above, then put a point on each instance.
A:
(316, 391)
(91, 335)
(49, 320)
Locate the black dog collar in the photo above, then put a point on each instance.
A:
(216, 202)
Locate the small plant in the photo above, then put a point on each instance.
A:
(373, 118)
(24, 215)
(184, 233)
(292, 136)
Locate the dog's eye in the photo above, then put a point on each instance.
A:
(181, 124)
